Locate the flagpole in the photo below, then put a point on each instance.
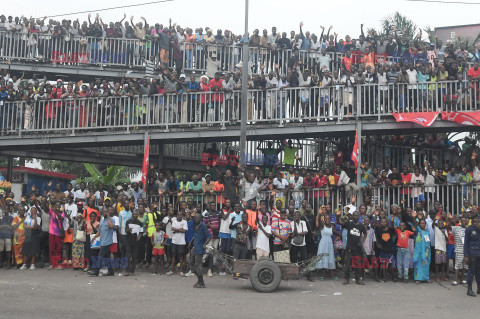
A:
(359, 180)
(146, 160)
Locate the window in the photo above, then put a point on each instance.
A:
(453, 35)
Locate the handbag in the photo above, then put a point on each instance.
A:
(95, 243)
(81, 236)
(61, 231)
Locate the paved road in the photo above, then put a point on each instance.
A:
(73, 294)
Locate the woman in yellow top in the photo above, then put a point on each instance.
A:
(18, 235)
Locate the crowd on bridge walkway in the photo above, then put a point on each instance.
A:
(187, 48)
(426, 219)
(43, 104)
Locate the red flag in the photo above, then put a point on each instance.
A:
(146, 157)
(465, 118)
(425, 119)
(355, 155)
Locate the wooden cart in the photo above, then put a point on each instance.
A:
(265, 274)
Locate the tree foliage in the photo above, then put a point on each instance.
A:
(74, 168)
(112, 176)
(404, 25)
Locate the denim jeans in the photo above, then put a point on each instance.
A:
(103, 260)
(403, 262)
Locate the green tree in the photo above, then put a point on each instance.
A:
(404, 25)
(74, 168)
(113, 175)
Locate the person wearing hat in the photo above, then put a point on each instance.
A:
(210, 41)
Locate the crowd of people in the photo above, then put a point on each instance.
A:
(170, 98)
(171, 43)
(250, 213)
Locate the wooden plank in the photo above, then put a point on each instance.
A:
(243, 267)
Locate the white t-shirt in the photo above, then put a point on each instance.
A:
(168, 227)
(301, 228)
(412, 78)
(97, 194)
(79, 194)
(263, 242)
(178, 238)
(116, 222)
(225, 225)
(71, 209)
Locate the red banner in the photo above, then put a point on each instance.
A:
(355, 154)
(465, 118)
(146, 158)
(425, 119)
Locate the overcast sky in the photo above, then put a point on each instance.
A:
(345, 15)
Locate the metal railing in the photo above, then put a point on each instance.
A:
(450, 196)
(206, 109)
(106, 51)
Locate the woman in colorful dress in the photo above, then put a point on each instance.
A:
(421, 255)
(31, 245)
(78, 247)
(18, 235)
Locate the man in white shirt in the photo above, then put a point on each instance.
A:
(179, 228)
(412, 87)
(272, 84)
(213, 65)
(82, 193)
(280, 184)
(304, 81)
(263, 238)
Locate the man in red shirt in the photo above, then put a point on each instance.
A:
(406, 177)
(216, 85)
(474, 77)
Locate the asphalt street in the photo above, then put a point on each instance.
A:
(74, 294)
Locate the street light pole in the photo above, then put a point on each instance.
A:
(244, 103)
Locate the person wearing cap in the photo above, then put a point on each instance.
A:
(210, 41)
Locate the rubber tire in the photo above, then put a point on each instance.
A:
(265, 264)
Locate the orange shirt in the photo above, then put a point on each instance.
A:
(473, 73)
(217, 187)
(252, 218)
(369, 59)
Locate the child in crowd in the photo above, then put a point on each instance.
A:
(159, 238)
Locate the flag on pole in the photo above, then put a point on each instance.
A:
(146, 157)
(425, 119)
(355, 155)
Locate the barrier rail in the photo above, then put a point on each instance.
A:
(221, 108)
(450, 196)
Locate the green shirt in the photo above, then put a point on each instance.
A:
(289, 155)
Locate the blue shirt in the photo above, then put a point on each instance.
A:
(106, 233)
(471, 246)
(124, 216)
(201, 235)
(189, 232)
(237, 219)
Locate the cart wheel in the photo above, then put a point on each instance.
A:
(265, 276)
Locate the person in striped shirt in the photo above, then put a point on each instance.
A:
(459, 235)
